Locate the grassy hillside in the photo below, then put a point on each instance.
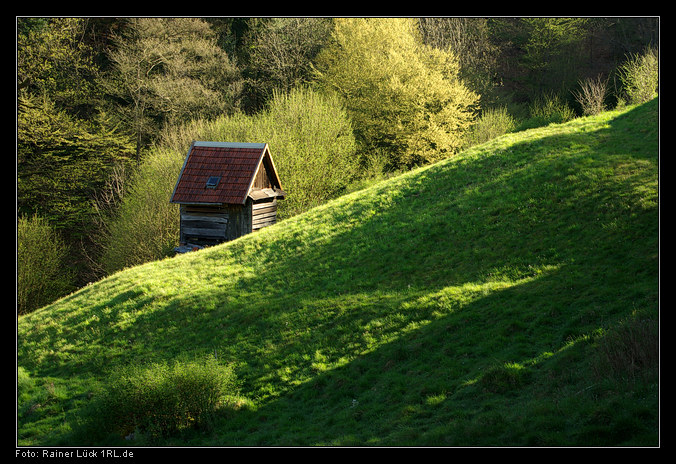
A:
(505, 297)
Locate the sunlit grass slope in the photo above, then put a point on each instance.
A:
(490, 299)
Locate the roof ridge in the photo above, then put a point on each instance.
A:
(209, 158)
(203, 143)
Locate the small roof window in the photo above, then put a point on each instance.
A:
(213, 181)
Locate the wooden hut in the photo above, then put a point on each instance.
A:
(226, 190)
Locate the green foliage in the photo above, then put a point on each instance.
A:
(492, 123)
(54, 61)
(66, 143)
(547, 109)
(160, 399)
(145, 226)
(471, 41)
(549, 37)
(639, 76)
(169, 69)
(62, 161)
(551, 109)
(315, 154)
(42, 271)
(280, 55)
(402, 96)
(538, 55)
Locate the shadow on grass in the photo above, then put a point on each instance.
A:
(510, 368)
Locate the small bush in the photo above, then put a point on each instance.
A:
(592, 95)
(548, 109)
(639, 76)
(161, 399)
(493, 123)
(42, 276)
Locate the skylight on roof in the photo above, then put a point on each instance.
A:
(213, 181)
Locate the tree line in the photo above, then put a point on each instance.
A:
(106, 108)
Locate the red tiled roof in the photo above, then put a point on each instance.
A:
(235, 163)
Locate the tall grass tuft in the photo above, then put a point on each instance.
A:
(547, 109)
(629, 351)
(505, 377)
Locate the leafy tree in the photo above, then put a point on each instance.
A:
(66, 144)
(402, 95)
(62, 161)
(170, 69)
(316, 153)
(280, 54)
(470, 40)
(54, 61)
(548, 36)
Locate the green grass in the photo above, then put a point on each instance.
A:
(480, 301)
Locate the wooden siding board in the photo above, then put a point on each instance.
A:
(203, 224)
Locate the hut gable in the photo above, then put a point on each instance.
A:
(225, 173)
(226, 190)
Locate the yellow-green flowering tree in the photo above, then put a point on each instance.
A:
(403, 96)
